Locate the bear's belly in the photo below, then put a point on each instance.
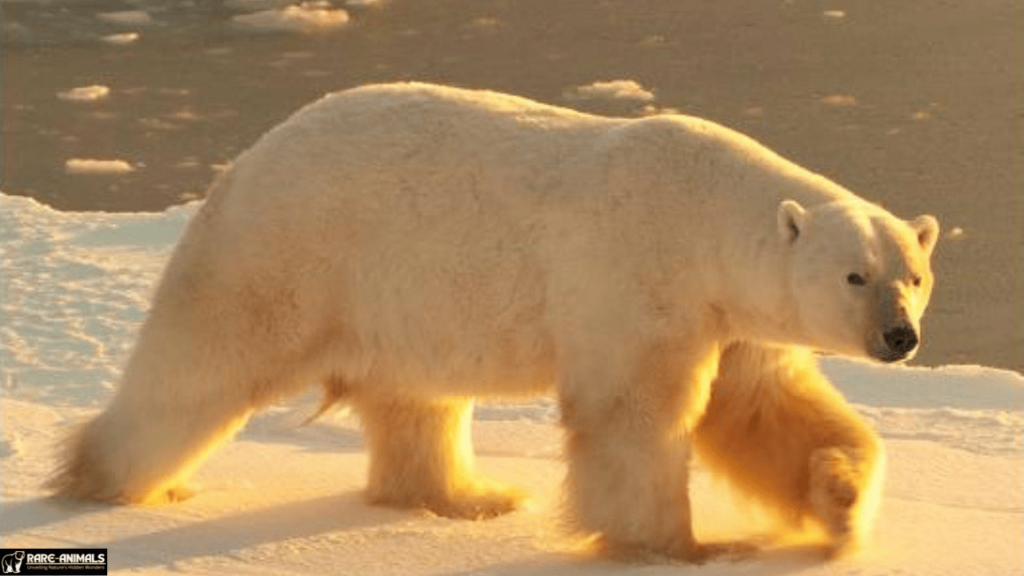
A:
(501, 363)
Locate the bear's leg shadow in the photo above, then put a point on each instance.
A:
(628, 429)
(421, 456)
(782, 434)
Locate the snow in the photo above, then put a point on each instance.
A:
(839, 100)
(85, 93)
(121, 39)
(97, 166)
(305, 17)
(612, 90)
(363, 3)
(285, 499)
(623, 97)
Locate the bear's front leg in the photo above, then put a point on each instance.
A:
(421, 456)
(628, 434)
(627, 481)
(779, 430)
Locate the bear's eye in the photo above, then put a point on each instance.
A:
(855, 279)
(916, 280)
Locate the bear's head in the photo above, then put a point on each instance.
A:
(860, 278)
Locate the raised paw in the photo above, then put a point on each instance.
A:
(838, 483)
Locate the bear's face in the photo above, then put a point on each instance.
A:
(860, 279)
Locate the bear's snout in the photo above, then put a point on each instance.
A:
(900, 341)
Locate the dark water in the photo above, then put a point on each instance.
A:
(917, 105)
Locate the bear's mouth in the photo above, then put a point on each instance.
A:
(882, 351)
(889, 356)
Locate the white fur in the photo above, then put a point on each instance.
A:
(412, 246)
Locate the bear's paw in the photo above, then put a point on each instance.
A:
(480, 500)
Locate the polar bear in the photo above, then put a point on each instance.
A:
(412, 246)
(11, 563)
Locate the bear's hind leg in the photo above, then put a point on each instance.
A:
(421, 456)
(142, 450)
(179, 399)
(782, 434)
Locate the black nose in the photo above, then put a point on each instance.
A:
(901, 340)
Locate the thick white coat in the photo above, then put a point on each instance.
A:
(413, 245)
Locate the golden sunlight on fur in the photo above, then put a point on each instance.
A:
(411, 247)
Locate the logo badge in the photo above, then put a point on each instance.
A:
(49, 560)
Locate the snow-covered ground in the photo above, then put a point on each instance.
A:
(285, 499)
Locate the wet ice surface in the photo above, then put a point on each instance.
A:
(174, 89)
(49, 22)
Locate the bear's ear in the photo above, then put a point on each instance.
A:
(791, 220)
(927, 228)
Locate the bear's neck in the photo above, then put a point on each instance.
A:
(752, 297)
(752, 291)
